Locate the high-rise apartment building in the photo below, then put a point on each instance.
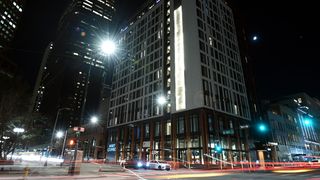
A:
(73, 71)
(10, 13)
(180, 95)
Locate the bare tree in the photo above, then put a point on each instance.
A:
(14, 104)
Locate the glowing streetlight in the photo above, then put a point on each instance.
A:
(108, 47)
(94, 119)
(255, 38)
(161, 100)
(18, 130)
(59, 134)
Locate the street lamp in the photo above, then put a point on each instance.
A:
(108, 47)
(161, 100)
(55, 124)
(18, 130)
(53, 131)
(59, 134)
(94, 119)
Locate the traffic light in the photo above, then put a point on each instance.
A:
(218, 149)
(72, 142)
(307, 121)
(262, 127)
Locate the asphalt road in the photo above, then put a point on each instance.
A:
(187, 174)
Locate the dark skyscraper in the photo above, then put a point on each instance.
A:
(63, 82)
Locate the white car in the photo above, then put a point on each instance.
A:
(162, 165)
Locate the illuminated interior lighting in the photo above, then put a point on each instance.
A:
(179, 61)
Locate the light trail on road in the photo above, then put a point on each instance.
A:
(198, 175)
(293, 171)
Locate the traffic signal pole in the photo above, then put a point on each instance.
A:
(73, 163)
(78, 130)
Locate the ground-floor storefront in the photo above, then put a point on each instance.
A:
(187, 138)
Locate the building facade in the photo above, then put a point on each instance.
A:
(184, 53)
(286, 133)
(73, 74)
(295, 128)
(10, 14)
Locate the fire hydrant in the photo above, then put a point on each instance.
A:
(26, 171)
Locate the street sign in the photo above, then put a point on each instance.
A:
(273, 143)
(78, 129)
(229, 131)
(244, 127)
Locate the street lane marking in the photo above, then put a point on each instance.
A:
(135, 174)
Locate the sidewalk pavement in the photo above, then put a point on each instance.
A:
(40, 170)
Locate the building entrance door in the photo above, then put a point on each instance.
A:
(182, 157)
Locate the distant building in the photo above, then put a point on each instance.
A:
(294, 122)
(64, 72)
(185, 54)
(286, 132)
(10, 14)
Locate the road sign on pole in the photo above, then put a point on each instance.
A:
(78, 129)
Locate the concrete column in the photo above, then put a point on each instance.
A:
(152, 127)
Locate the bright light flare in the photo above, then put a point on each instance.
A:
(59, 134)
(108, 47)
(255, 38)
(18, 130)
(307, 121)
(161, 100)
(94, 120)
(262, 128)
(139, 164)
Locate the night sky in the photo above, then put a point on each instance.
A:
(286, 54)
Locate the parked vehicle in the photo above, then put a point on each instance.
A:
(136, 164)
(162, 165)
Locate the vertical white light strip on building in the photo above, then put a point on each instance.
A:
(180, 90)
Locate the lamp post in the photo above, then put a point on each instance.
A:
(53, 131)
(59, 135)
(94, 120)
(55, 124)
(107, 48)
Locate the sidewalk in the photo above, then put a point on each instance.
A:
(86, 169)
